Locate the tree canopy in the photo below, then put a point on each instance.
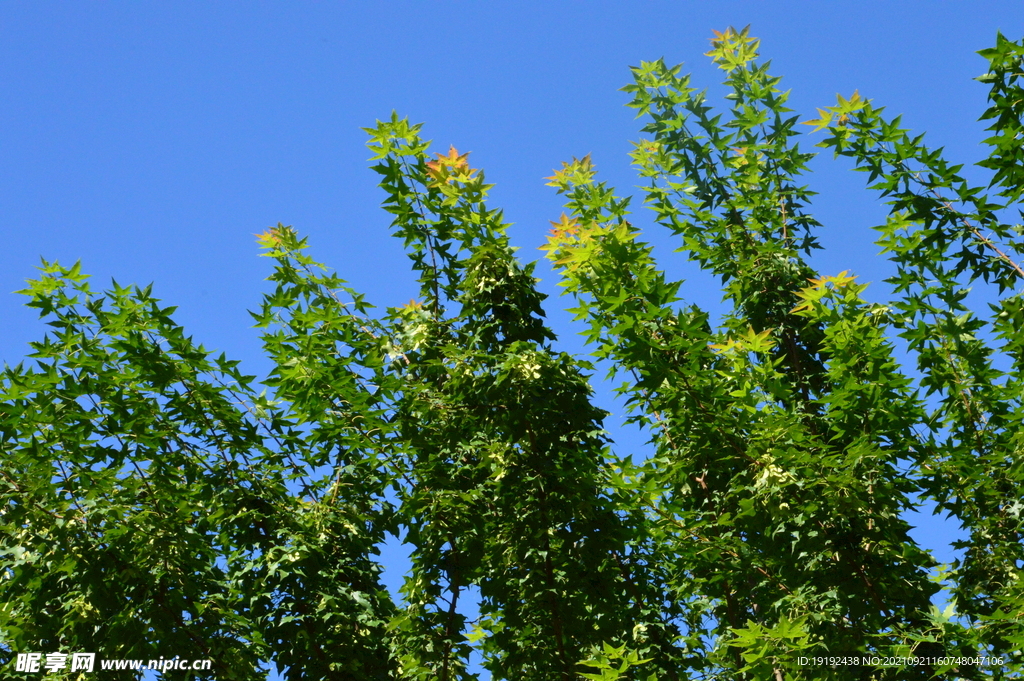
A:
(157, 501)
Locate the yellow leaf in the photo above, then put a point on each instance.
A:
(566, 227)
(847, 106)
(803, 307)
(441, 169)
(269, 238)
(843, 278)
(454, 159)
(822, 122)
(576, 171)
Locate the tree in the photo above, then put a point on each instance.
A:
(157, 503)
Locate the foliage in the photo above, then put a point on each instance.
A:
(156, 503)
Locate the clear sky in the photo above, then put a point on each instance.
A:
(152, 140)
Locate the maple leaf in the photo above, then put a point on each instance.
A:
(269, 237)
(565, 227)
(562, 232)
(453, 160)
(557, 179)
(841, 279)
(853, 100)
(818, 283)
(726, 346)
(822, 122)
(576, 171)
(273, 237)
(728, 40)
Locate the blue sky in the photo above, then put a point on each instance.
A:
(152, 140)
